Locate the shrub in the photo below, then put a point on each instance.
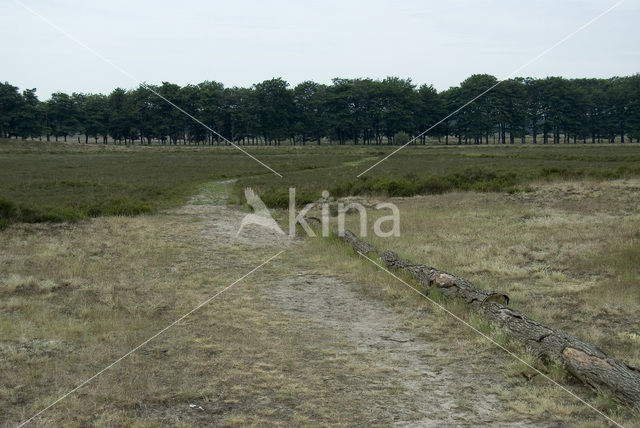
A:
(279, 198)
(119, 206)
(401, 138)
(8, 210)
(434, 185)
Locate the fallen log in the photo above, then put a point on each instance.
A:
(584, 361)
(358, 245)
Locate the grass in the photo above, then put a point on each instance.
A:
(524, 393)
(42, 181)
(437, 170)
(59, 182)
(567, 254)
(556, 228)
(76, 297)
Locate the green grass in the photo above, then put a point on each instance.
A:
(57, 182)
(566, 253)
(436, 170)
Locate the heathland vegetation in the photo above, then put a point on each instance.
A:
(357, 111)
(43, 181)
(436, 170)
(554, 226)
(566, 252)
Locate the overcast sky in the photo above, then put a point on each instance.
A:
(243, 42)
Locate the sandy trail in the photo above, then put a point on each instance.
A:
(293, 344)
(432, 391)
(434, 385)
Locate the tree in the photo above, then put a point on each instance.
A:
(620, 108)
(10, 104)
(476, 120)
(212, 96)
(365, 101)
(246, 117)
(191, 99)
(62, 114)
(121, 120)
(577, 112)
(79, 110)
(240, 114)
(430, 110)
(400, 103)
(341, 109)
(555, 107)
(310, 113)
(450, 102)
(145, 109)
(348, 110)
(28, 123)
(632, 89)
(274, 108)
(509, 102)
(533, 106)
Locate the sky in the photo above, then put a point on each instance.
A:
(243, 42)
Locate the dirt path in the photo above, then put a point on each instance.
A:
(297, 343)
(432, 384)
(431, 393)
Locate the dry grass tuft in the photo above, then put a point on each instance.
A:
(567, 254)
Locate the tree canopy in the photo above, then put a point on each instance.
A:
(355, 111)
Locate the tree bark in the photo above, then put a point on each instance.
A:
(583, 360)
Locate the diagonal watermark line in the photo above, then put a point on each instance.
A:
(141, 83)
(490, 339)
(65, 395)
(517, 70)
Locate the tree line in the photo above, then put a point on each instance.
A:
(356, 111)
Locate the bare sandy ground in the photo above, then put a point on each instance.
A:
(433, 385)
(294, 344)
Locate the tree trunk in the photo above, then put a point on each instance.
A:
(534, 132)
(585, 361)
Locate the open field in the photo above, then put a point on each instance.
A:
(319, 336)
(284, 214)
(566, 253)
(42, 181)
(432, 170)
(55, 181)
